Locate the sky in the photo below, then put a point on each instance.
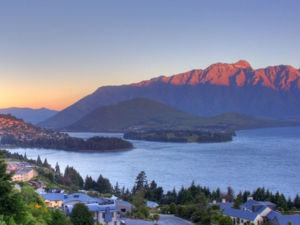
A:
(52, 53)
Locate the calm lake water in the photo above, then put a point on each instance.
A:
(255, 158)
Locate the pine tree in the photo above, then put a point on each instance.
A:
(89, 183)
(57, 169)
(25, 157)
(103, 185)
(140, 182)
(46, 164)
(230, 195)
(117, 190)
(297, 201)
(39, 161)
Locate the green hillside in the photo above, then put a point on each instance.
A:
(146, 114)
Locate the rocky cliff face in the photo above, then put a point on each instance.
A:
(272, 92)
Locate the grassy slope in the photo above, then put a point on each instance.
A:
(144, 113)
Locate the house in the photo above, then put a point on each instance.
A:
(22, 171)
(242, 217)
(253, 212)
(56, 190)
(285, 219)
(53, 200)
(37, 183)
(103, 214)
(254, 206)
(40, 191)
(74, 198)
(123, 207)
(151, 204)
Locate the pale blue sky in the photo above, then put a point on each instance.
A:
(54, 52)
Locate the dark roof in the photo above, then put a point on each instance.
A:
(284, 219)
(240, 213)
(121, 202)
(273, 214)
(225, 205)
(95, 207)
(53, 196)
(250, 203)
(80, 197)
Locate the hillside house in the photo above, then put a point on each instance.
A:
(53, 200)
(22, 171)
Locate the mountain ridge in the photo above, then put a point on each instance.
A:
(222, 74)
(28, 114)
(271, 92)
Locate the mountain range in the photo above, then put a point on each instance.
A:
(30, 115)
(271, 92)
(143, 114)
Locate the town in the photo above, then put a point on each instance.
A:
(115, 207)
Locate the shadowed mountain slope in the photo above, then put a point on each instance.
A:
(145, 114)
(272, 92)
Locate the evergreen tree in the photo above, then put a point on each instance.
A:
(117, 190)
(72, 177)
(25, 157)
(238, 201)
(46, 164)
(57, 169)
(81, 215)
(297, 201)
(89, 183)
(229, 195)
(103, 185)
(39, 161)
(140, 182)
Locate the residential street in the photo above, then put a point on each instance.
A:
(164, 220)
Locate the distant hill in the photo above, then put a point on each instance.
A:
(146, 114)
(271, 92)
(33, 116)
(15, 132)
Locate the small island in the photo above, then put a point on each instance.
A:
(181, 136)
(16, 133)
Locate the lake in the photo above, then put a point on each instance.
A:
(255, 158)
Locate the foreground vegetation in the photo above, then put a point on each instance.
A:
(191, 203)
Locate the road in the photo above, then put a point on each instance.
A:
(164, 220)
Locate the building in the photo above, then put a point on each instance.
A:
(74, 198)
(254, 206)
(37, 183)
(241, 217)
(123, 207)
(257, 212)
(22, 171)
(56, 190)
(104, 214)
(53, 200)
(104, 210)
(285, 219)
(151, 205)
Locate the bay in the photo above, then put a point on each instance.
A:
(255, 158)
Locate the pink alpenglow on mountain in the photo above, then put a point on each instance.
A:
(271, 92)
(237, 74)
